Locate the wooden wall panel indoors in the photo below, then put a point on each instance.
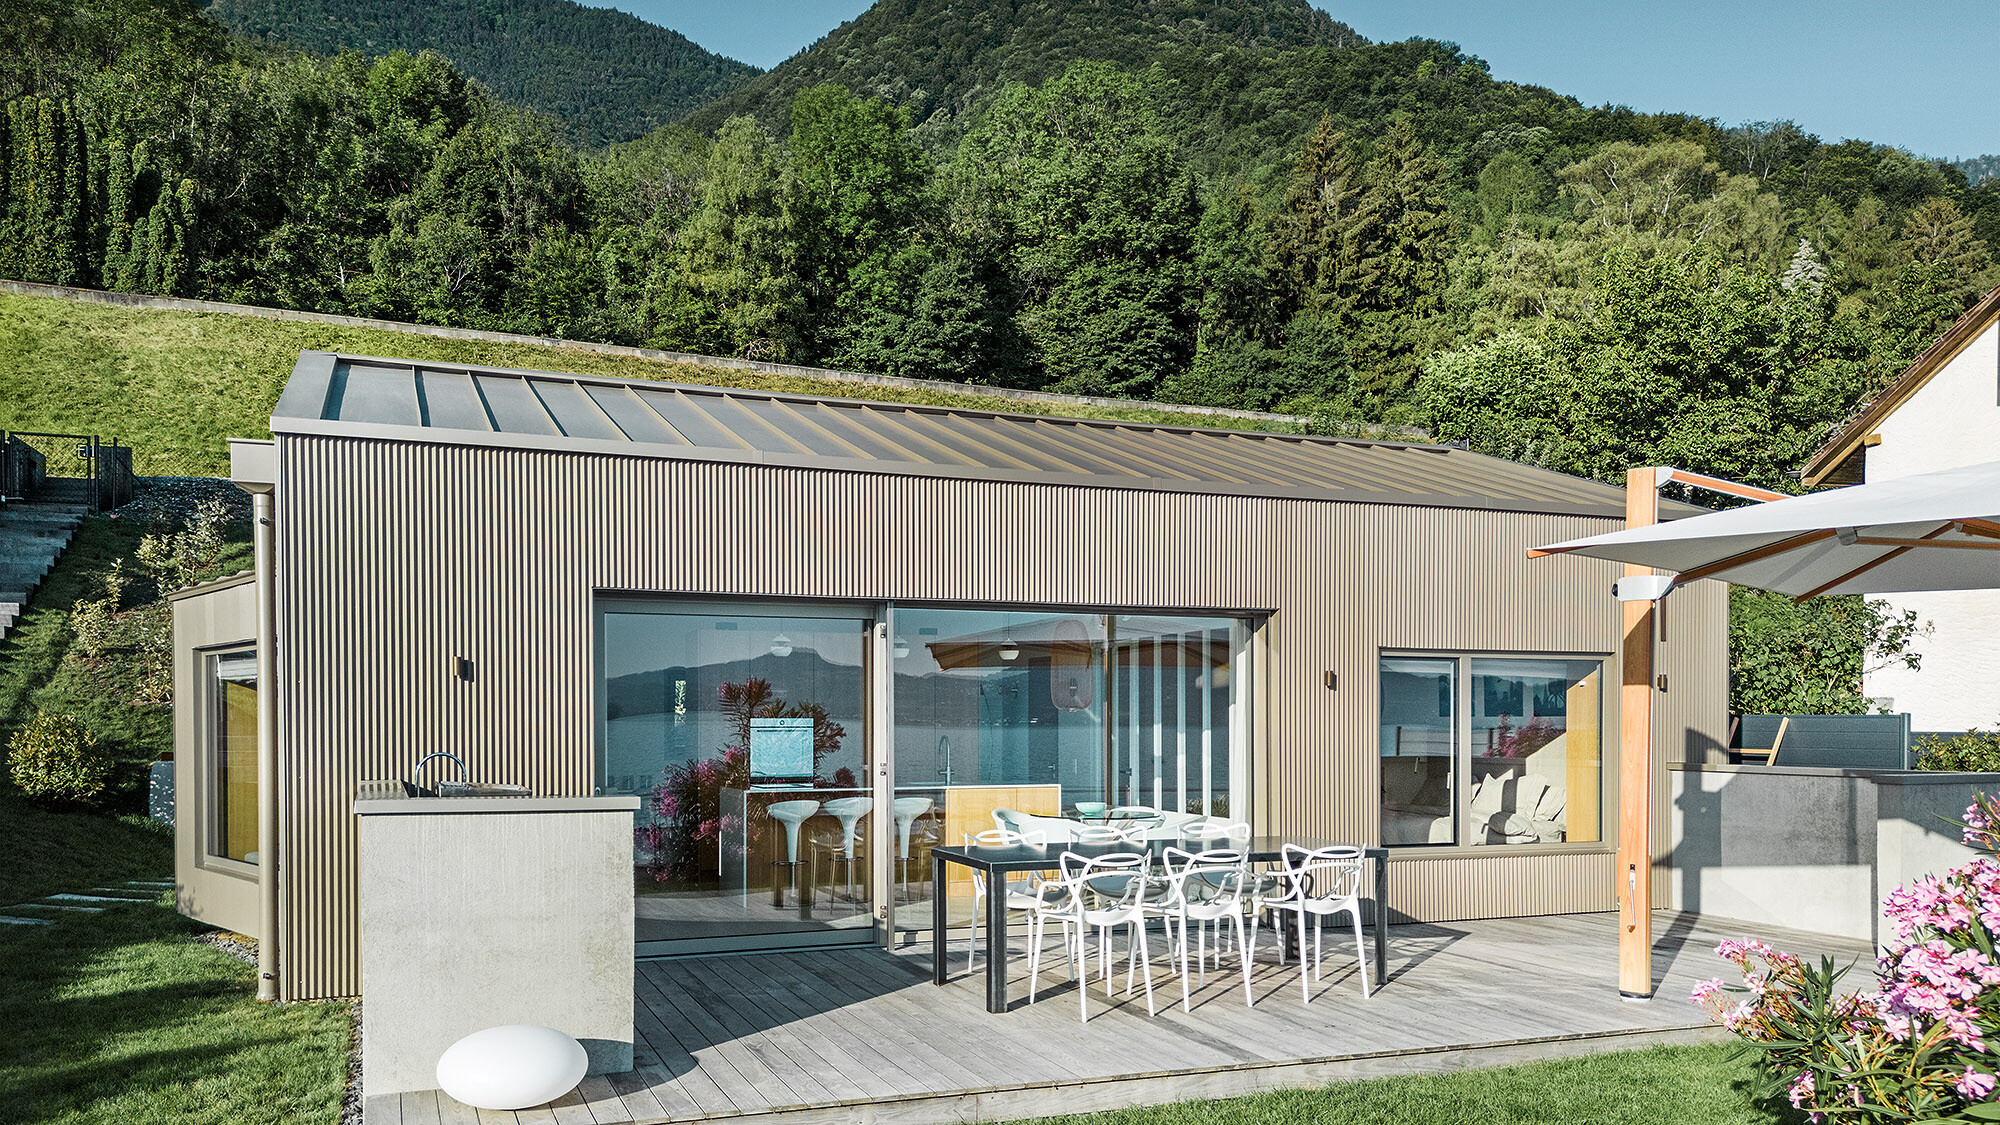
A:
(397, 558)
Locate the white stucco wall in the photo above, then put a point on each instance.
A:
(1952, 420)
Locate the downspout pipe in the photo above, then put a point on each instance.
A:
(252, 468)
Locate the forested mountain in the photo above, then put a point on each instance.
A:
(941, 59)
(1979, 169)
(1225, 203)
(608, 75)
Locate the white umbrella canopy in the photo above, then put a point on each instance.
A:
(1933, 531)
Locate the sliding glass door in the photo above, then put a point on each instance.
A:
(744, 731)
(744, 736)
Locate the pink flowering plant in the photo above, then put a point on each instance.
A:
(1915, 1048)
(684, 837)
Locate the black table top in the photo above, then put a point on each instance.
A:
(1037, 857)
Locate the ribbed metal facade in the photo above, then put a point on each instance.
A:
(396, 558)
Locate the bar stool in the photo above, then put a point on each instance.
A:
(791, 814)
(906, 811)
(849, 811)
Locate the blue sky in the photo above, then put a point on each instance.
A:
(1908, 74)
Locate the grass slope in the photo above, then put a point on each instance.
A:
(177, 385)
(1656, 1086)
(122, 1017)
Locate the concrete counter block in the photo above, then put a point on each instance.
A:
(474, 921)
(1812, 849)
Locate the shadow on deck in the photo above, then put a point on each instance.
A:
(863, 1036)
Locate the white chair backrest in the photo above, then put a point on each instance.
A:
(1004, 838)
(1078, 871)
(1324, 873)
(1199, 830)
(1013, 820)
(1109, 834)
(999, 838)
(1222, 872)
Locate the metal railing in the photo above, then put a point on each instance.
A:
(80, 468)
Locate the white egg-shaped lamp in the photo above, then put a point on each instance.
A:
(512, 1067)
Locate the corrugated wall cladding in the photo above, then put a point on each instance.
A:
(397, 558)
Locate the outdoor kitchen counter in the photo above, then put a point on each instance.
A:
(519, 914)
(392, 798)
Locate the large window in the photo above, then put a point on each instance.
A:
(744, 734)
(1479, 750)
(232, 752)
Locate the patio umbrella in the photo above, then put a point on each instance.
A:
(1932, 531)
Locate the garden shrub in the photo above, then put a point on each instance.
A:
(1915, 1047)
(54, 760)
(1975, 751)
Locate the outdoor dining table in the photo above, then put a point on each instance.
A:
(999, 862)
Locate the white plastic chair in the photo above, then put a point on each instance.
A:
(1016, 900)
(1205, 888)
(1114, 886)
(1075, 911)
(1319, 882)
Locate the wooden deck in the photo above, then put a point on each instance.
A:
(863, 1036)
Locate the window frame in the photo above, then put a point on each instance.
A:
(1461, 774)
(208, 754)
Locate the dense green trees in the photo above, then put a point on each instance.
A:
(1245, 208)
(607, 75)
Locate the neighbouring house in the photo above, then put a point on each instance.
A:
(816, 637)
(1942, 413)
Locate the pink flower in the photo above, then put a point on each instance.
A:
(1974, 1086)
(1801, 1089)
(1707, 990)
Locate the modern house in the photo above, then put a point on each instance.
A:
(818, 636)
(1942, 413)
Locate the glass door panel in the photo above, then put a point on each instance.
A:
(744, 737)
(1171, 737)
(996, 710)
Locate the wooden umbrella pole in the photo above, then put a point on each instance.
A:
(1635, 763)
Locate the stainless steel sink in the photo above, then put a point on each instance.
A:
(470, 789)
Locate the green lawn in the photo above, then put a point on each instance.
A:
(175, 385)
(1706, 1085)
(122, 1017)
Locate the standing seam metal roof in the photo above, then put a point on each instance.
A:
(404, 400)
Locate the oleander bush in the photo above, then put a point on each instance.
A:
(1914, 1048)
(54, 760)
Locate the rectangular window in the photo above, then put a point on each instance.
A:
(232, 684)
(1484, 751)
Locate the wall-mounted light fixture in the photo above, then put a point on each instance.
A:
(1009, 651)
(781, 645)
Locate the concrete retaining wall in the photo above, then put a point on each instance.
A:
(1812, 849)
(474, 915)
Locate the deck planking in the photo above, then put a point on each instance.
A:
(860, 1034)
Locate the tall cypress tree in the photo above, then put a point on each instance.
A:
(1403, 256)
(1319, 238)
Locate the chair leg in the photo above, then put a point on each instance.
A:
(972, 930)
(1186, 1002)
(1361, 954)
(1034, 955)
(1248, 1002)
(1319, 947)
(1083, 985)
(1305, 987)
(1145, 955)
